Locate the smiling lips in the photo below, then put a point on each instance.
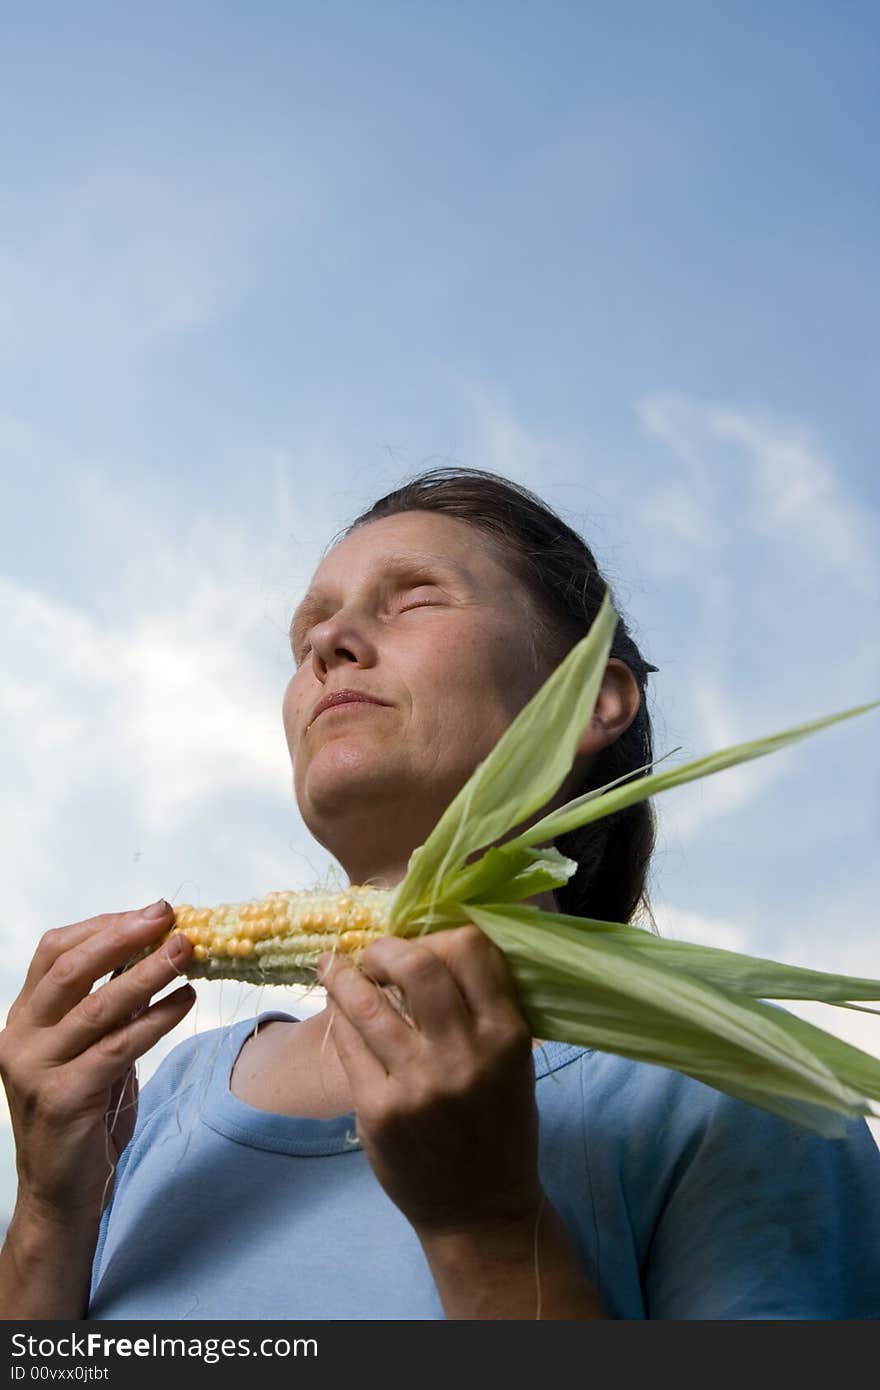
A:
(342, 697)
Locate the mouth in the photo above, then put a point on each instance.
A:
(340, 699)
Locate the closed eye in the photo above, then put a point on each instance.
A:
(420, 603)
(421, 596)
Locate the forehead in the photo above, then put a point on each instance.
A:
(414, 538)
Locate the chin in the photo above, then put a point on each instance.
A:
(342, 775)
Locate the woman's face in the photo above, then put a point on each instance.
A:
(413, 610)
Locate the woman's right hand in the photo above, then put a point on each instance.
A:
(67, 1055)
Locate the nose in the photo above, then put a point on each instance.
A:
(342, 639)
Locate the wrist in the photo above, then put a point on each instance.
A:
(519, 1265)
(37, 1218)
(45, 1263)
(491, 1238)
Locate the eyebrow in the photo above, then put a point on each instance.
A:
(405, 563)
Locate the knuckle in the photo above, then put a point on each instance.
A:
(49, 944)
(463, 944)
(116, 936)
(418, 967)
(65, 969)
(472, 938)
(114, 1047)
(368, 1009)
(469, 938)
(94, 1009)
(51, 1097)
(507, 1049)
(515, 1040)
(17, 1069)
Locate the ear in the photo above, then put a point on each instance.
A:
(616, 708)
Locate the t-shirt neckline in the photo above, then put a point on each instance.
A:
(234, 1118)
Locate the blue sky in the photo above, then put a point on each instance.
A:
(258, 264)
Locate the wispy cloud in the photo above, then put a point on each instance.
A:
(126, 252)
(796, 493)
(748, 474)
(686, 924)
(748, 526)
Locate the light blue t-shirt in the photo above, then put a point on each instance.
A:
(682, 1202)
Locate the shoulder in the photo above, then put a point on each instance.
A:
(623, 1097)
(734, 1211)
(652, 1119)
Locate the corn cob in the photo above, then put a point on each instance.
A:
(280, 938)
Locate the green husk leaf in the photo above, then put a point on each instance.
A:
(584, 809)
(523, 771)
(593, 989)
(508, 873)
(751, 975)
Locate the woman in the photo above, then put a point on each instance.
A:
(409, 1153)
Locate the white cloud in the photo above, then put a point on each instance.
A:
(689, 810)
(680, 517)
(751, 537)
(795, 492)
(501, 441)
(163, 706)
(685, 924)
(750, 475)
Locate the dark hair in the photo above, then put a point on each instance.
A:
(559, 573)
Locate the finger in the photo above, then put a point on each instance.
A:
(433, 997)
(120, 1000)
(391, 1040)
(362, 1067)
(479, 969)
(60, 939)
(108, 1059)
(73, 972)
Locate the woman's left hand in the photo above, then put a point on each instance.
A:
(445, 1093)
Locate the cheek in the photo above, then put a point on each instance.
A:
(479, 691)
(293, 710)
(510, 681)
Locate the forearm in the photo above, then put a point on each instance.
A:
(45, 1267)
(527, 1269)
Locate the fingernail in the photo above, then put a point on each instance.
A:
(324, 964)
(176, 945)
(156, 910)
